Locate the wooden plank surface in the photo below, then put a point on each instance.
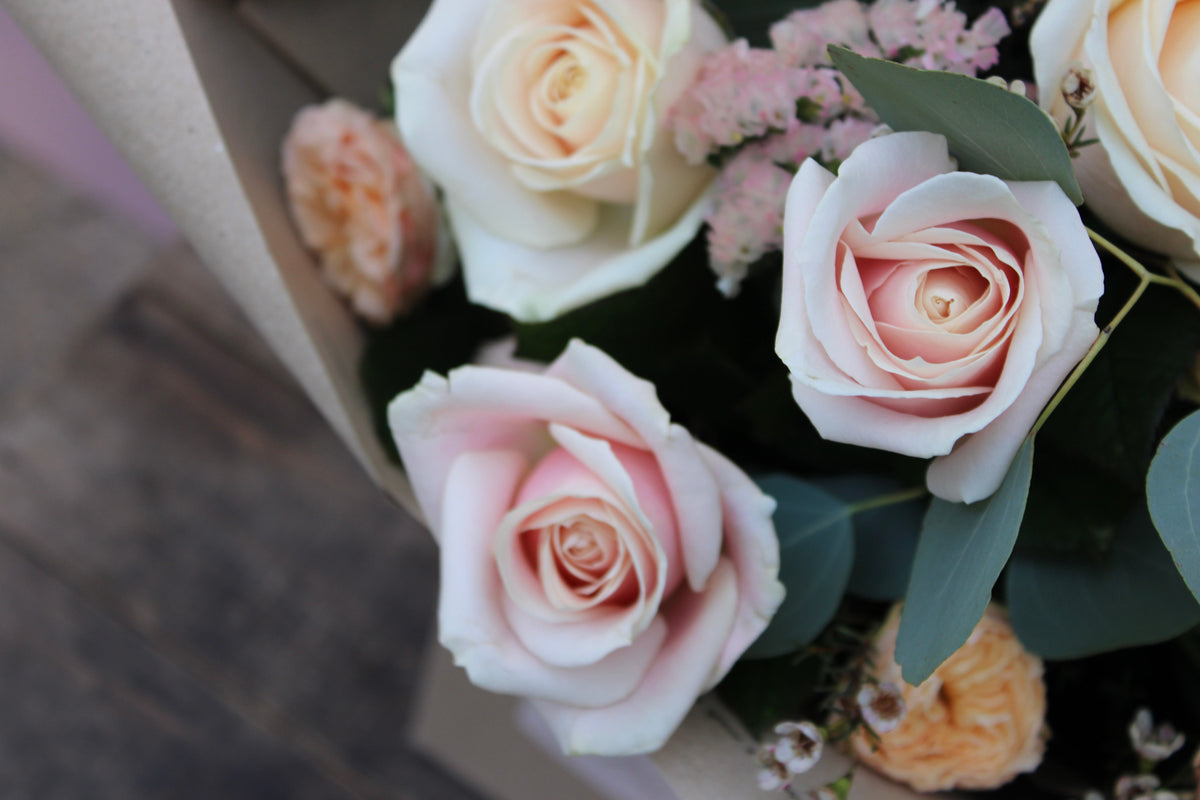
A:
(62, 263)
(91, 712)
(199, 588)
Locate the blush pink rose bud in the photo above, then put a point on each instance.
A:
(931, 312)
(362, 206)
(594, 557)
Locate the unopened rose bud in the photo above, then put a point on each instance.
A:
(1078, 86)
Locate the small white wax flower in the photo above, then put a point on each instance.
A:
(881, 706)
(1136, 787)
(1078, 86)
(1153, 744)
(774, 774)
(800, 745)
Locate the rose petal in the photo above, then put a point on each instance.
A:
(699, 626)
(432, 85)
(977, 466)
(694, 493)
(880, 170)
(636, 478)
(533, 284)
(753, 547)
(480, 408)
(479, 490)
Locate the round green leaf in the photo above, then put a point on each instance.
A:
(1079, 607)
(816, 549)
(885, 539)
(1173, 491)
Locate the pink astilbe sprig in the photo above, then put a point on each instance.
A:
(762, 112)
(743, 93)
(747, 221)
(803, 37)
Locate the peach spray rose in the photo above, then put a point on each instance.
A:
(976, 723)
(362, 206)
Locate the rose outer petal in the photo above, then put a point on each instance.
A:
(694, 490)
(534, 284)
(1120, 177)
(699, 624)
(479, 490)
(753, 546)
(483, 408)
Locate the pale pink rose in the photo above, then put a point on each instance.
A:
(932, 312)
(362, 206)
(1143, 177)
(544, 124)
(594, 557)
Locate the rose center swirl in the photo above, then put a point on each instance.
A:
(944, 294)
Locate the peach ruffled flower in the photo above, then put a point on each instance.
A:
(362, 206)
(976, 723)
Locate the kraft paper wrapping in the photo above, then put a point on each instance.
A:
(199, 105)
(197, 95)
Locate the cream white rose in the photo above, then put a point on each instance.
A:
(1143, 178)
(542, 120)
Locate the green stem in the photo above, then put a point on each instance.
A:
(902, 496)
(1173, 279)
(1146, 277)
(1090, 356)
(1184, 286)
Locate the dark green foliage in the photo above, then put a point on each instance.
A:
(440, 334)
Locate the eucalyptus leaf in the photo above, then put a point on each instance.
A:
(1073, 508)
(816, 548)
(960, 554)
(1173, 492)
(885, 538)
(1064, 609)
(1120, 407)
(989, 129)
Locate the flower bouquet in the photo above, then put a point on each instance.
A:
(841, 359)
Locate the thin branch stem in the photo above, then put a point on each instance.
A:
(1172, 279)
(894, 498)
(1145, 278)
(1092, 352)
(1183, 286)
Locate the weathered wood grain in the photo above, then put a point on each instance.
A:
(176, 480)
(62, 263)
(91, 712)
